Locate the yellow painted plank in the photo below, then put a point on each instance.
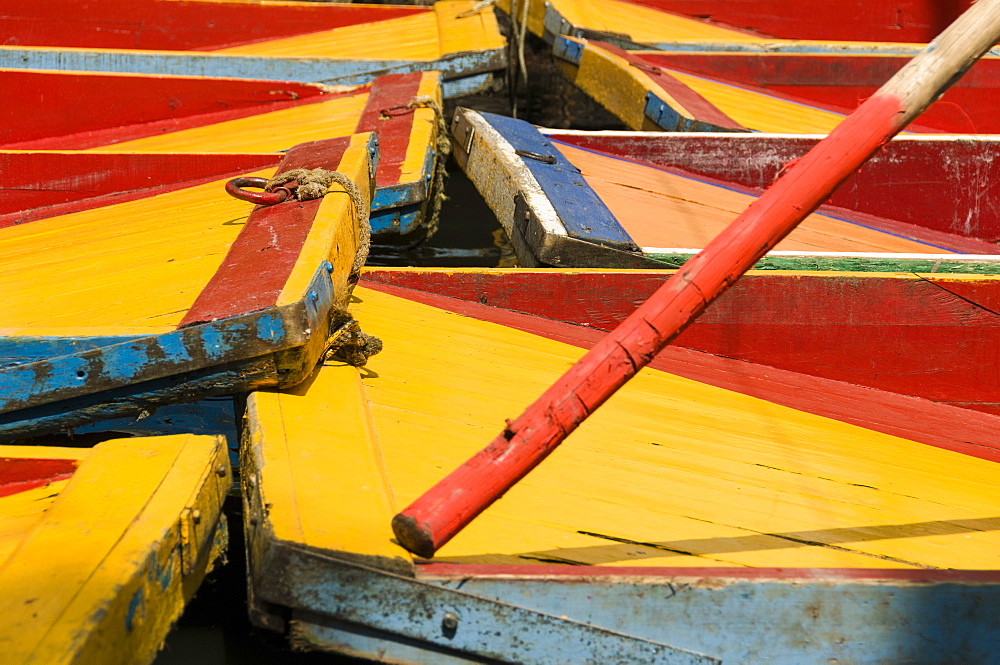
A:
(412, 37)
(19, 512)
(425, 36)
(137, 263)
(461, 29)
(762, 112)
(334, 234)
(622, 89)
(264, 132)
(425, 130)
(669, 462)
(111, 596)
(642, 24)
(659, 209)
(615, 85)
(315, 460)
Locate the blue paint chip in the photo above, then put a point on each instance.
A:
(270, 328)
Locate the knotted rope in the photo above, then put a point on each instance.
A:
(347, 341)
(314, 184)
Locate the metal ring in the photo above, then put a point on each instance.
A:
(235, 189)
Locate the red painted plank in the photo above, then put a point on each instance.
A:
(942, 426)
(20, 474)
(174, 25)
(840, 83)
(111, 108)
(390, 94)
(694, 575)
(943, 187)
(887, 202)
(699, 107)
(40, 185)
(855, 20)
(935, 339)
(258, 264)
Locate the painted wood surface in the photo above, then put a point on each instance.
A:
(822, 472)
(940, 183)
(769, 92)
(522, 444)
(867, 329)
(334, 43)
(598, 209)
(113, 595)
(862, 20)
(170, 114)
(237, 297)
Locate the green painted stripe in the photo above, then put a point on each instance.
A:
(855, 263)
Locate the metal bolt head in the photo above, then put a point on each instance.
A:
(449, 622)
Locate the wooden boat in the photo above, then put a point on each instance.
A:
(622, 199)
(341, 44)
(169, 114)
(724, 89)
(872, 24)
(718, 504)
(101, 548)
(136, 279)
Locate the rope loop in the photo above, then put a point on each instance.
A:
(315, 184)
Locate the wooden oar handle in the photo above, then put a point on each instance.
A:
(434, 518)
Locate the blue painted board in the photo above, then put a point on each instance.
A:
(579, 208)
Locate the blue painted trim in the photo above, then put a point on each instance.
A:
(144, 359)
(394, 196)
(665, 117)
(463, 72)
(466, 85)
(578, 206)
(805, 620)
(447, 621)
(18, 350)
(567, 49)
(397, 221)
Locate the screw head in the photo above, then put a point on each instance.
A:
(449, 622)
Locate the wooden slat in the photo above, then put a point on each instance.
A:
(665, 462)
(315, 461)
(663, 209)
(114, 593)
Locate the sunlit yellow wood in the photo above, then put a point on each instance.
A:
(462, 29)
(761, 112)
(315, 461)
(616, 85)
(660, 209)
(642, 24)
(136, 264)
(424, 36)
(334, 233)
(264, 132)
(734, 480)
(646, 25)
(424, 135)
(19, 512)
(105, 571)
(622, 89)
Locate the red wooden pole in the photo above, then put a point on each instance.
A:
(434, 518)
